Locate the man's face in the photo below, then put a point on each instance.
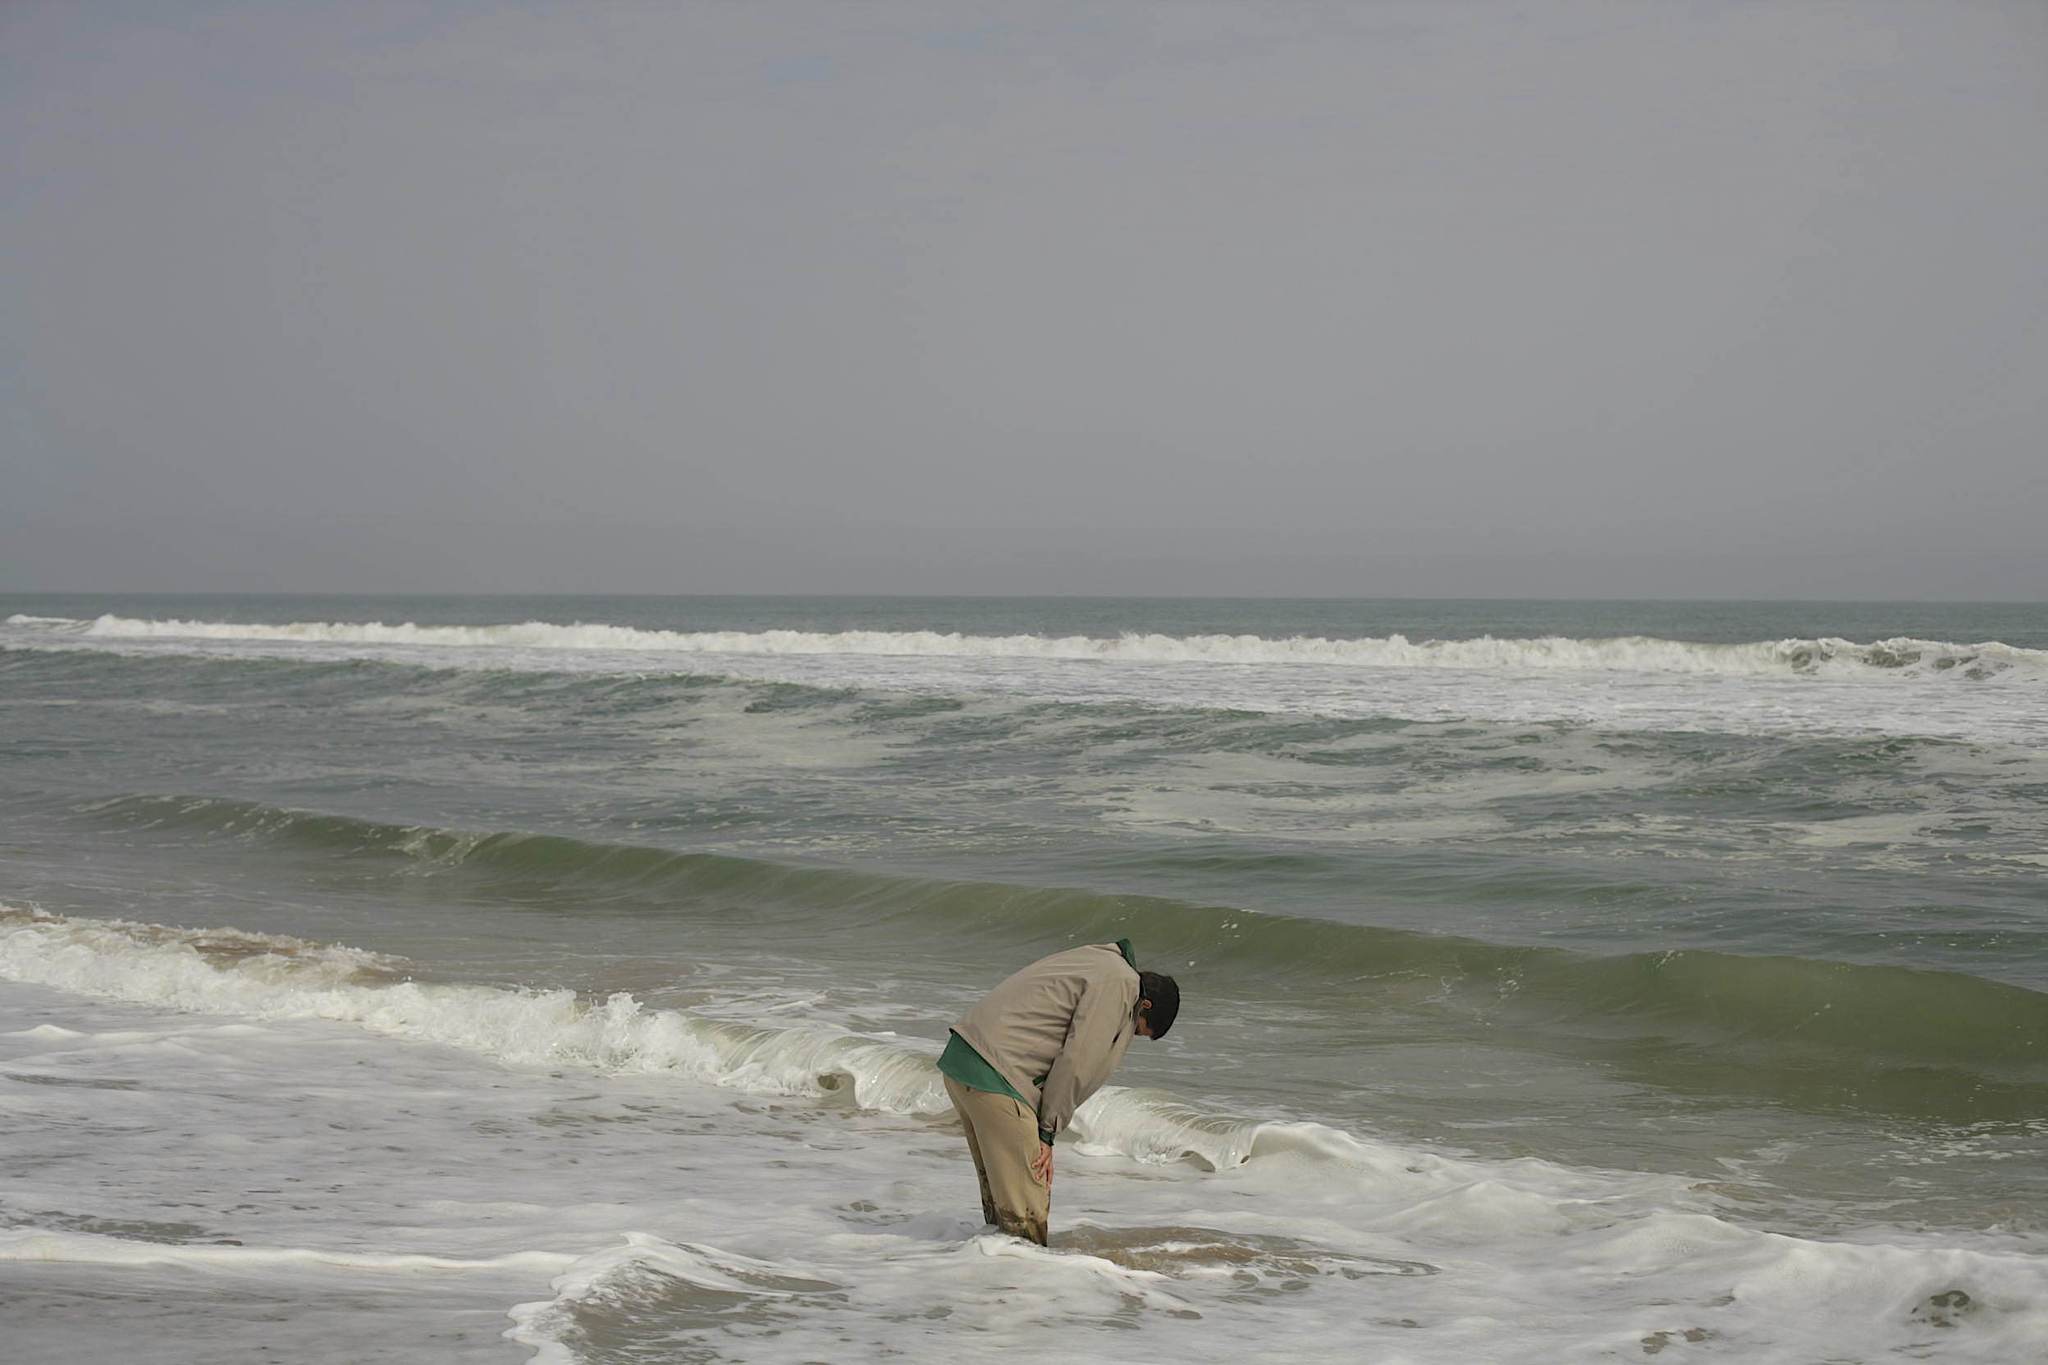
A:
(1144, 1025)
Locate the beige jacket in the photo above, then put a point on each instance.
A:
(1057, 1029)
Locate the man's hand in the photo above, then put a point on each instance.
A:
(1041, 1165)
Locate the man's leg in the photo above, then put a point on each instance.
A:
(957, 1093)
(1006, 1139)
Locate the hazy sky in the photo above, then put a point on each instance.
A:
(1631, 299)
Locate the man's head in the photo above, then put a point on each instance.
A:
(1158, 1003)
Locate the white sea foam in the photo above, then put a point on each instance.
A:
(787, 1234)
(1633, 654)
(274, 977)
(291, 979)
(1525, 1278)
(1897, 687)
(606, 1278)
(85, 1248)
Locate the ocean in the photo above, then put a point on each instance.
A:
(507, 978)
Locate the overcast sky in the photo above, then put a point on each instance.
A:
(1632, 299)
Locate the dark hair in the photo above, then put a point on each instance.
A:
(1164, 994)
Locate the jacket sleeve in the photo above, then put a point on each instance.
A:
(1085, 1062)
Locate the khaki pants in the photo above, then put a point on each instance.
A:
(1002, 1136)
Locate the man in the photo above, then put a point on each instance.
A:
(1020, 1063)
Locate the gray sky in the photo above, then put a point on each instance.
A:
(1629, 299)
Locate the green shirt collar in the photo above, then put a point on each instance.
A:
(1123, 945)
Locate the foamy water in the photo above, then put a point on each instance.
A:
(1634, 654)
(1988, 691)
(1435, 1256)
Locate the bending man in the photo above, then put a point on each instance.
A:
(1020, 1063)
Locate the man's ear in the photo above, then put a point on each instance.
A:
(1144, 1006)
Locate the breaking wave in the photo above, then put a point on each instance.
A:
(1827, 657)
(274, 977)
(1810, 1032)
(267, 976)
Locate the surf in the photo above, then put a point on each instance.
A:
(1920, 1039)
(1819, 657)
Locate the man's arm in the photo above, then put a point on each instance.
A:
(1083, 1064)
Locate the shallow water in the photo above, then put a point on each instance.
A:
(500, 976)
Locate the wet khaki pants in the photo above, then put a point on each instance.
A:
(1002, 1135)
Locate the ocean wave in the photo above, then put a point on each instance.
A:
(180, 968)
(167, 967)
(641, 1277)
(1921, 1040)
(163, 966)
(1823, 657)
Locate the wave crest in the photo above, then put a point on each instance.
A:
(160, 965)
(1951, 1042)
(1827, 656)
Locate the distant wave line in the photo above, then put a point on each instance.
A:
(1825, 656)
